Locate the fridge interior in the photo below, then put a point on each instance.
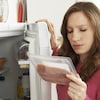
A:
(10, 36)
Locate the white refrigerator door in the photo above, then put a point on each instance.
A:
(40, 89)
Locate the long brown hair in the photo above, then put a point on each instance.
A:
(92, 62)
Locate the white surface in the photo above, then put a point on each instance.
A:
(12, 29)
(40, 89)
(12, 26)
(44, 35)
(35, 92)
(23, 62)
(11, 33)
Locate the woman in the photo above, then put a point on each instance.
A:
(81, 42)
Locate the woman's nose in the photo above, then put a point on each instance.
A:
(75, 36)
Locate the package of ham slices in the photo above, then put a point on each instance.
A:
(53, 68)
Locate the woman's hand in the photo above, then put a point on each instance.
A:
(51, 29)
(77, 88)
(49, 24)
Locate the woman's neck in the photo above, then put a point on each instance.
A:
(83, 57)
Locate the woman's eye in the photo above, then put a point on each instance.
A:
(69, 31)
(83, 30)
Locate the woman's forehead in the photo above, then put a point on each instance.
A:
(78, 18)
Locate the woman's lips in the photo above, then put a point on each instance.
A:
(78, 46)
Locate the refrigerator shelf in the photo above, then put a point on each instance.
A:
(24, 63)
(12, 29)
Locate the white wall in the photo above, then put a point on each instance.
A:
(52, 10)
(97, 2)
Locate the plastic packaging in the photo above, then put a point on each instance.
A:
(53, 68)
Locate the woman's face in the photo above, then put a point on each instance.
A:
(80, 33)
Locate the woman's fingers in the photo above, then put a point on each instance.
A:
(49, 24)
(75, 79)
(76, 82)
(77, 88)
(41, 20)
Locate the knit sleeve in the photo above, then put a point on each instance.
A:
(98, 94)
(54, 53)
